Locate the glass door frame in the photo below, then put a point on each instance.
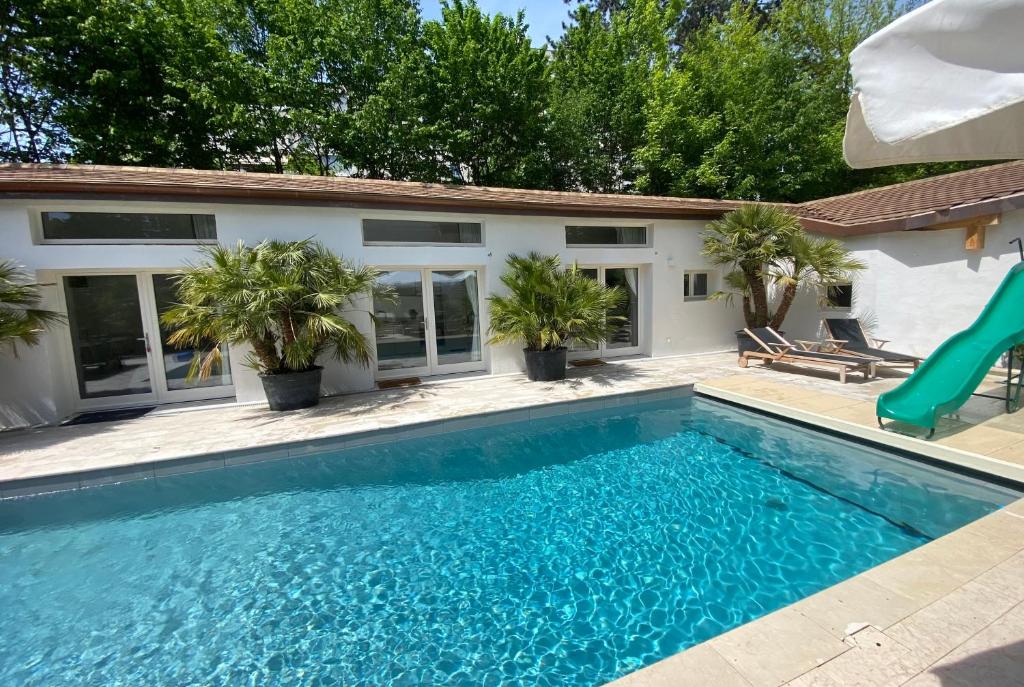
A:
(433, 366)
(602, 350)
(150, 320)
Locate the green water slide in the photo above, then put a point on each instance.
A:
(953, 372)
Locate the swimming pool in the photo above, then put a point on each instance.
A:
(564, 551)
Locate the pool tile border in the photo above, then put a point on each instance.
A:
(222, 459)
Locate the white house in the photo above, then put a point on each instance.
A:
(105, 239)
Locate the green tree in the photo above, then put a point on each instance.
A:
(107, 65)
(483, 90)
(602, 71)
(758, 111)
(28, 129)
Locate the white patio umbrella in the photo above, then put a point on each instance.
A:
(944, 82)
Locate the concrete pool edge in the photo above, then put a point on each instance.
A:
(74, 479)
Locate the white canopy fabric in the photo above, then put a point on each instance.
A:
(944, 82)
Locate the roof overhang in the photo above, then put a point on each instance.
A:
(961, 214)
(439, 199)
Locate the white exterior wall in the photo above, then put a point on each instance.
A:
(40, 387)
(920, 287)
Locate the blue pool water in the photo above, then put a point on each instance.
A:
(560, 552)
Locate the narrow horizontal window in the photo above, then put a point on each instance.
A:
(695, 286)
(605, 236)
(840, 295)
(416, 231)
(127, 226)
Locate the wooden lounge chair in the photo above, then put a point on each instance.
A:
(848, 336)
(775, 349)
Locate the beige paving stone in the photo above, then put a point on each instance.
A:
(875, 660)
(731, 382)
(937, 568)
(1007, 578)
(994, 657)
(815, 402)
(1002, 533)
(777, 648)
(856, 601)
(700, 666)
(1013, 453)
(981, 439)
(941, 627)
(861, 413)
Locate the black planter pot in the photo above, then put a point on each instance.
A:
(744, 343)
(545, 366)
(293, 390)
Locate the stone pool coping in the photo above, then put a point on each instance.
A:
(73, 479)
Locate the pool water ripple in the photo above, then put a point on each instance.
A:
(566, 552)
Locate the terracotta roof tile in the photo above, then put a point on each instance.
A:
(922, 197)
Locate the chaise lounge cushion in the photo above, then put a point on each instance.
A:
(851, 331)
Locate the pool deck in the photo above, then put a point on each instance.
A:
(949, 613)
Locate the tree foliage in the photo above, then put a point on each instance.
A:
(719, 98)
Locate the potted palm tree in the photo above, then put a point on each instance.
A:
(21, 318)
(770, 257)
(282, 298)
(547, 309)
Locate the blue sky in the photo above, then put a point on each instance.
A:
(545, 17)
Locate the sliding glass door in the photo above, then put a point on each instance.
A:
(430, 324)
(625, 336)
(121, 354)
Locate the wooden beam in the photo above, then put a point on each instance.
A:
(981, 220)
(974, 237)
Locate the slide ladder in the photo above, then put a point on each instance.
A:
(950, 375)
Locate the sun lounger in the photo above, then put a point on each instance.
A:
(776, 349)
(848, 336)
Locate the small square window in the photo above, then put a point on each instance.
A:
(695, 286)
(839, 296)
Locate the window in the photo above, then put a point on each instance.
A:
(695, 286)
(840, 296)
(605, 236)
(127, 226)
(415, 231)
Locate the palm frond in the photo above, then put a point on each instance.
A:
(549, 307)
(21, 318)
(284, 298)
